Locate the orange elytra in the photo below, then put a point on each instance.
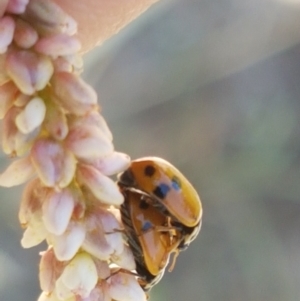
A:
(150, 236)
(168, 190)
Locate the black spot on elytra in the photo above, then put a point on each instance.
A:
(144, 205)
(161, 190)
(176, 183)
(149, 171)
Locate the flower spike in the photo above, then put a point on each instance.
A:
(64, 152)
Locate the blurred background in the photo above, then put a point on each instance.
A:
(213, 87)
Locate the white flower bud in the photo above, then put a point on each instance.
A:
(45, 296)
(125, 259)
(18, 172)
(80, 275)
(33, 235)
(8, 94)
(31, 116)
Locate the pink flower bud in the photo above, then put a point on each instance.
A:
(30, 71)
(59, 168)
(102, 187)
(88, 142)
(103, 269)
(16, 6)
(124, 287)
(92, 119)
(96, 242)
(111, 164)
(111, 228)
(79, 201)
(3, 5)
(13, 141)
(57, 45)
(67, 245)
(76, 96)
(7, 27)
(40, 14)
(57, 209)
(25, 36)
(61, 64)
(31, 202)
(50, 270)
(18, 172)
(56, 122)
(30, 214)
(8, 94)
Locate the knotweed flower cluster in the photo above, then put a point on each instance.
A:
(62, 147)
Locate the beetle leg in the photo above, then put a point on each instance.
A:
(172, 230)
(121, 270)
(146, 198)
(174, 258)
(115, 231)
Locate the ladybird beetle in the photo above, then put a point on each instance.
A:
(169, 191)
(149, 236)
